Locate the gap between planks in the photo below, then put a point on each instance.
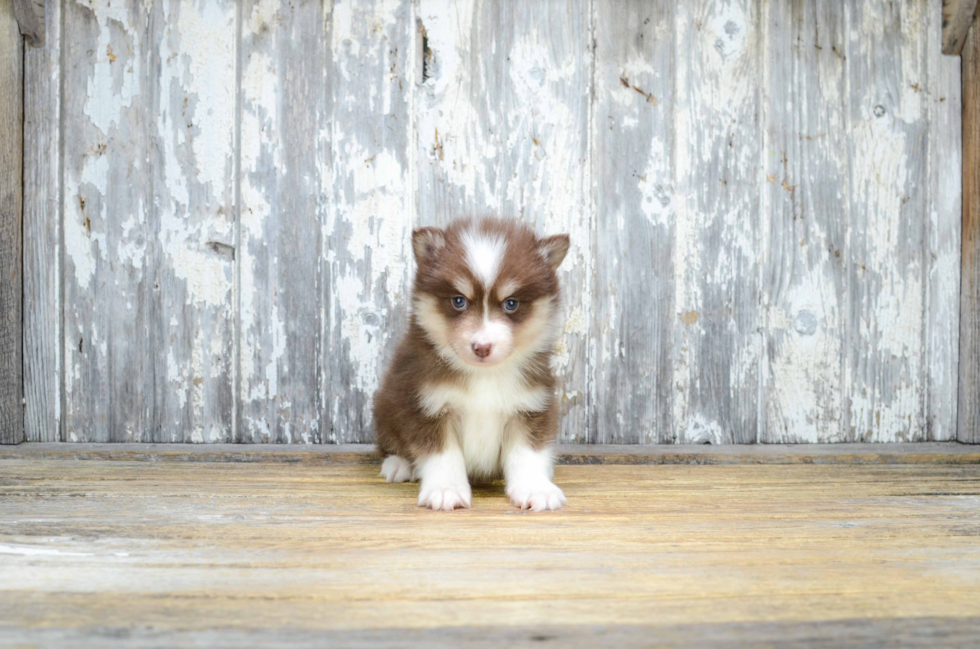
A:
(569, 454)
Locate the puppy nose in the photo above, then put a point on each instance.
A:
(482, 350)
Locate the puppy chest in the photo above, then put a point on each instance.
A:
(481, 410)
(484, 397)
(480, 436)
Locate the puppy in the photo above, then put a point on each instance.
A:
(470, 393)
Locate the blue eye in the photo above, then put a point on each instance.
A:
(459, 302)
(510, 305)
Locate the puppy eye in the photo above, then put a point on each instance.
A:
(459, 302)
(510, 305)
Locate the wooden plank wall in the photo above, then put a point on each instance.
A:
(763, 200)
(43, 249)
(969, 368)
(11, 258)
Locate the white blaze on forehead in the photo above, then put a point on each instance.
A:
(483, 254)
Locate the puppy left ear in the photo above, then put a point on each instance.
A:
(426, 242)
(554, 249)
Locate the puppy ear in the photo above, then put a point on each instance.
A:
(554, 249)
(427, 242)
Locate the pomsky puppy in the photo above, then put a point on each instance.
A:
(470, 393)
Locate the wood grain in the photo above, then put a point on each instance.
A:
(366, 162)
(148, 197)
(718, 321)
(633, 167)
(283, 129)
(957, 17)
(11, 254)
(43, 244)
(107, 206)
(968, 422)
(574, 454)
(943, 233)
(31, 20)
(908, 632)
(189, 261)
(513, 140)
(94, 549)
(885, 248)
(805, 170)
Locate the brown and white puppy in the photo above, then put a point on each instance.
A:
(470, 392)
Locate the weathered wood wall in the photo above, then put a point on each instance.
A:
(11, 258)
(43, 249)
(969, 370)
(763, 199)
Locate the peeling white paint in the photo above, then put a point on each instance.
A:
(366, 232)
(177, 379)
(884, 387)
(278, 349)
(85, 228)
(206, 47)
(208, 277)
(699, 430)
(805, 370)
(459, 151)
(114, 83)
(202, 67)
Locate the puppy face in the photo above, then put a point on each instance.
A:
(486, 291)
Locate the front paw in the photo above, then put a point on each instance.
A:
(538, 496)
(396, 469)
(445, 497)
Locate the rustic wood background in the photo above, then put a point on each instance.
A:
(11, 179)
(763, 198)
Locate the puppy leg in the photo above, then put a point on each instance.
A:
(444, 483)
(528, 472)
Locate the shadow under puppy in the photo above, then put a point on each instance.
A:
(470, 393)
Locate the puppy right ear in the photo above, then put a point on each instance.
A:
(427, 242)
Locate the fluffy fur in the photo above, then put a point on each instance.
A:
(470, 393)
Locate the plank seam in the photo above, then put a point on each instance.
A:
(765, 238)
(847, 401)
(236, 404)
(907, 453)
(925, 346)
(62, 338)
(591, 419)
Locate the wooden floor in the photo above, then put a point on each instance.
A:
(110, 553)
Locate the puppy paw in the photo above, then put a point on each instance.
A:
(537, 496)
(445, 497)
(396, 469)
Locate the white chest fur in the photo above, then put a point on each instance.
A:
(483, 406)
